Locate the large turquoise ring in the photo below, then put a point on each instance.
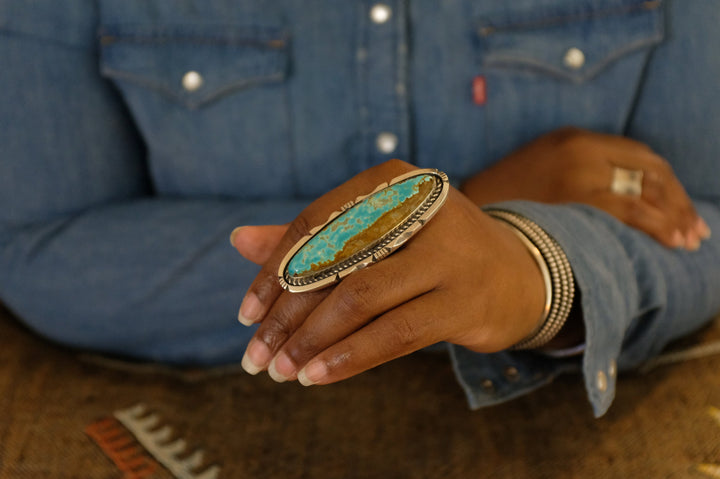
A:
(364, 231)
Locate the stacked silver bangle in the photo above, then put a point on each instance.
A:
(557, 274)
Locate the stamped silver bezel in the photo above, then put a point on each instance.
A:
(385, 245)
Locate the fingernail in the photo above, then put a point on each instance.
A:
(677, 239)
(274, 374)
(233, 233)
(703, 229)
(313, 373)
(250, 310)
(256, 357)
(248, 366)
(692, 241)
(284, 365)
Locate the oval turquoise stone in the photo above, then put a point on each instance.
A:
(362, 225)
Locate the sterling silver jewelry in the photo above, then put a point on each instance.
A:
(364, 231)
(626, 182)
(561, 286)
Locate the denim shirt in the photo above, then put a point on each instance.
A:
(135, 134)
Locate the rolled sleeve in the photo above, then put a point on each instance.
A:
(636, 296)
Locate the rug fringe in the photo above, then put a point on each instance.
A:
(142, 425)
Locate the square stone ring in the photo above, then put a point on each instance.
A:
(364, 231)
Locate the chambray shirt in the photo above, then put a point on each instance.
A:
(135, 134)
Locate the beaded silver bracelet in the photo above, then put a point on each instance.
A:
(561, 284)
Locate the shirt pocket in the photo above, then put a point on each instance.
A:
(210, 102)
(564, 62)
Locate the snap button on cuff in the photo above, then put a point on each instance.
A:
(612, 369)
(601, 381)
(488, 385)
(511, 373)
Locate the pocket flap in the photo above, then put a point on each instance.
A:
(575, 43)
(194, 67)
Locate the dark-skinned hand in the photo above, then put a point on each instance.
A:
(464, 278)
(576, 166)
(398, 306)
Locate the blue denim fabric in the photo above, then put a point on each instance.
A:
(119, 186)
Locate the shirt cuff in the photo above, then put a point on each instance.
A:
(603, 275)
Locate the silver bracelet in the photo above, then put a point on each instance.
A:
(561, 285)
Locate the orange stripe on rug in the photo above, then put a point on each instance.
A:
(121, 448)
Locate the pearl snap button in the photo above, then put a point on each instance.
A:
(192, 80)
(380, 13)
(612, 369)
(511, 373)
(574, 58)
(386, 142)
(488, 385)
(601, 381)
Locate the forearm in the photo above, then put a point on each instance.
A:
(150, 278)
(636, 296)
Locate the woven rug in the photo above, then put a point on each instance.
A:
(66, 414)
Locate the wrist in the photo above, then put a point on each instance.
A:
(559, 284)
(524, 298)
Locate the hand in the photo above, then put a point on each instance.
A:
(464, 278)
(573, 165)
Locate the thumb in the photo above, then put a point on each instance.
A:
(256, 243)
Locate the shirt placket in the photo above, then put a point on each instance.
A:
(382, 74)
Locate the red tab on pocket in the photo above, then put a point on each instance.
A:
(479, 90)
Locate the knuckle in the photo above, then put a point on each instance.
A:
(303, 348)
(406, 332)
(663, 231)
(689, 211)
(395, 164)
(575, 141)
(567, 179)
(664, 168)
(300, 227)
(276, 330)
(266, 286)
(354, 296)
(391, 168)
(633, 210)
(652, 190)
(638, 145)
(651, 179)
(565, 133)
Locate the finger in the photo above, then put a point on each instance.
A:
(356, 301)
(663, 189)
(265, 289)
(638, 213)
(665, 193)
(281, 321)
(403, 330)
(256, 243)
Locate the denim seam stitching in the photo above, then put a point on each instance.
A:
(536, 65)
(201, 100)
(195, 40)
(488, 29)
(261, 36)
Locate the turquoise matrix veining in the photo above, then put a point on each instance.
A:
(330, 245)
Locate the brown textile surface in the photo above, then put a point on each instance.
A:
(406, 419)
